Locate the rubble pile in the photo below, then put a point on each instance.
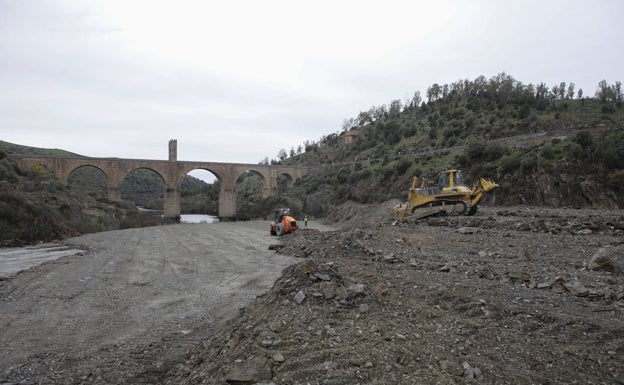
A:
(508, 296)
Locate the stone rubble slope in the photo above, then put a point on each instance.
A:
(509, 296)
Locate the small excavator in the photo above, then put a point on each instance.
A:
(283, 222)
(449, 197)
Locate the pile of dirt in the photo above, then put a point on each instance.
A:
(509, 296)
(351, 214)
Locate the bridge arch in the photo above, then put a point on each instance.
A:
(265, 177)
(213, 171)
(284, 181)
(150, 183)
(208, 200)
(93, 174)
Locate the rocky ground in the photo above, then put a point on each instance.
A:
(508, 296)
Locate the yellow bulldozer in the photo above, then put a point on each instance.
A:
(449, 196)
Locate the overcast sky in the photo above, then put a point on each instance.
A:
(236, 81)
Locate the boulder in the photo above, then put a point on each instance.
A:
(299, 297)
(601, 261)
(468, 230)
(576, 288)
(249, 372)
(519, 276)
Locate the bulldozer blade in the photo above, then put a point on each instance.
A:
(487, 184)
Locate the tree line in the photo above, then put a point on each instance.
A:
(497, 91)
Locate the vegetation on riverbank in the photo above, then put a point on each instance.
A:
(36, 207)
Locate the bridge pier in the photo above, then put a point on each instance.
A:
(171, 204)
(171, 201)
(114, 194)
(227, 203)
(270, 188)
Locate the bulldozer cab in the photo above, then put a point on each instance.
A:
(451, 181)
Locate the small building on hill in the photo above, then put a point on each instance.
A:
(351, 137)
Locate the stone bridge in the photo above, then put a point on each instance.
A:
(172, 173)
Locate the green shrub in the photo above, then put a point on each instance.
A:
(129, 222)
(403, 165)
(615, 180)
(547, 151)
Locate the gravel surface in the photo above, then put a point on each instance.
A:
(508, 296)
(128, 308)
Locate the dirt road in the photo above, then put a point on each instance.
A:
(129, 307)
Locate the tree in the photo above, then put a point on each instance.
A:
(348, 124)
(617, 93)
(395, 107)
(555, 92)
(378, 112)
(433, 92)
(433, 133)
(571, 91)
(480, 85)
(281, 155)
(445, 91)
(541, 91)
(603, 93)
(562, 90)
(416, 99)
(364, 117)
(580, 94)
(585, 139)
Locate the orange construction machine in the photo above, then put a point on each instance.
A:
(283, 222)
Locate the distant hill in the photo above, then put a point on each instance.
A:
(544, 146)
(16, 149)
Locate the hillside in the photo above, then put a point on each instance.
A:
(11, 149)
(542, 145)
(36, 207)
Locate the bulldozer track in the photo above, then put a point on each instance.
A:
(441, 207)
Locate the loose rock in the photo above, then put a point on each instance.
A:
(601, 261)
(249, 372)
(576, 288)
(299, 297)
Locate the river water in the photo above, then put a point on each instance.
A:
(198, 218)
(16, 259)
